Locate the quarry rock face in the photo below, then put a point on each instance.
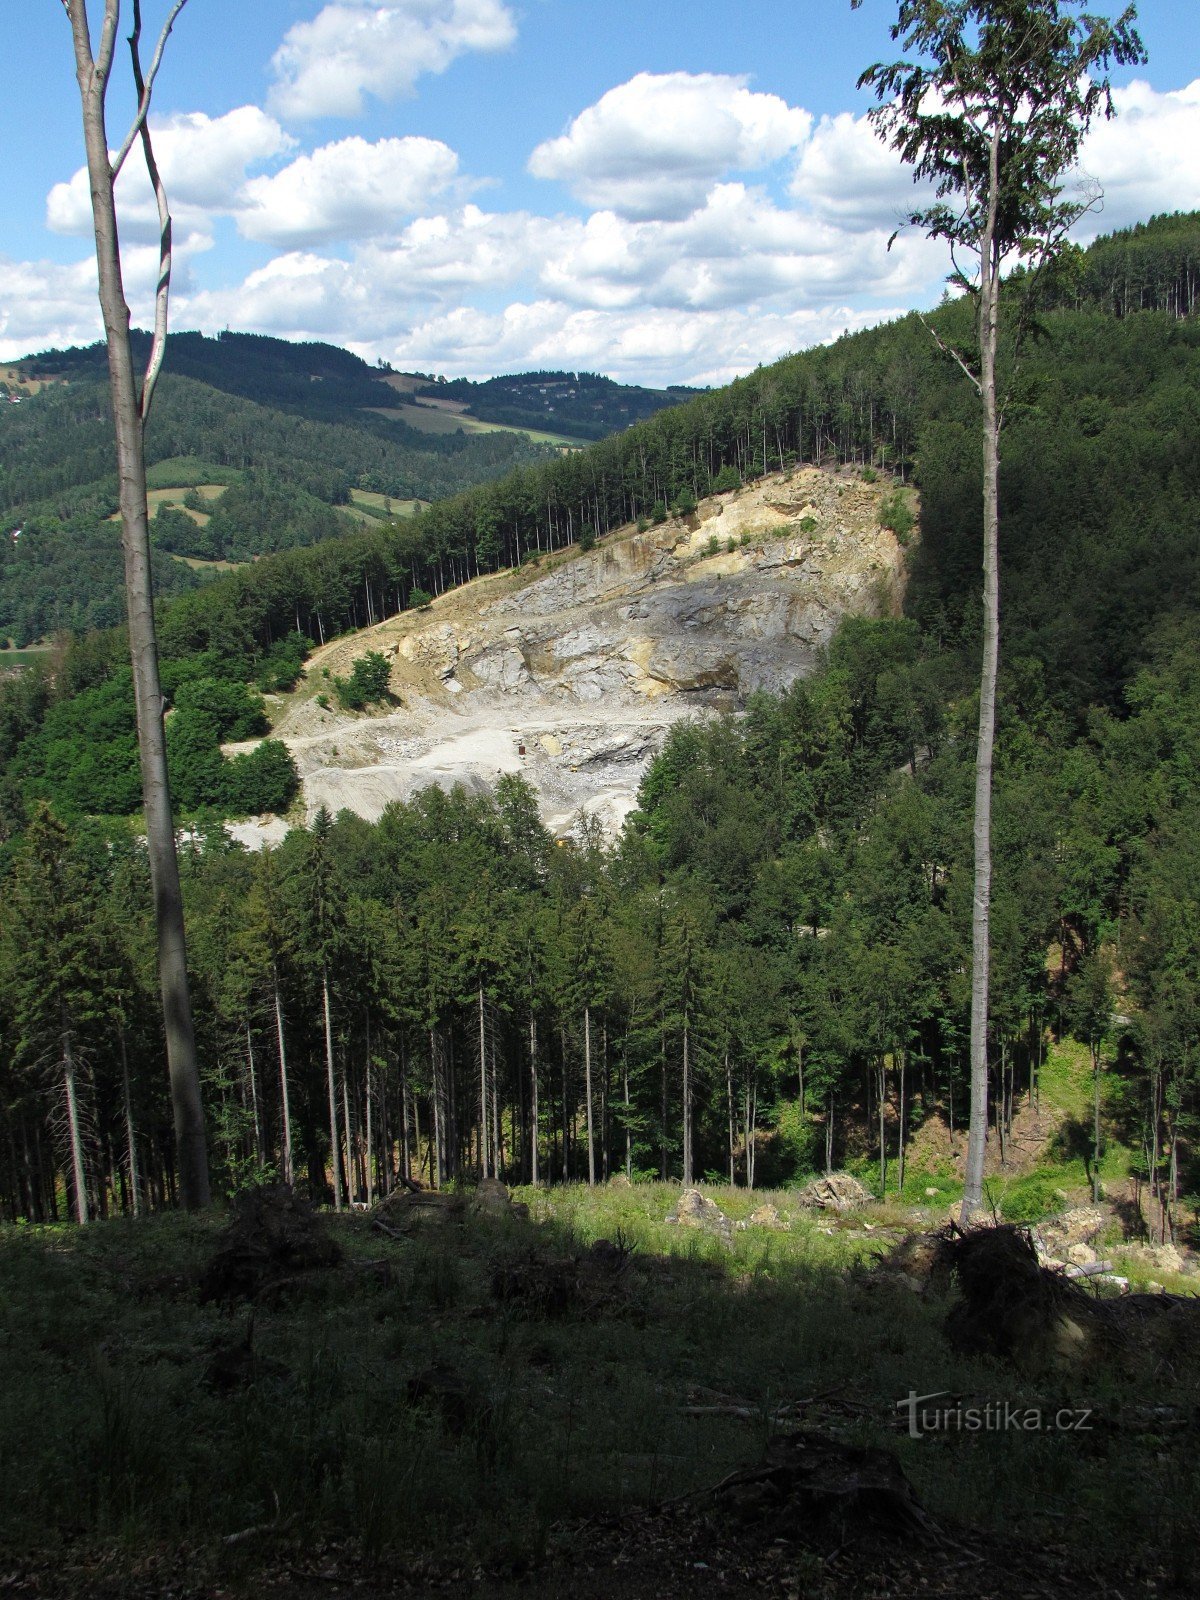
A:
(572, 671)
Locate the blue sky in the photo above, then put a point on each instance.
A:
(662, 191)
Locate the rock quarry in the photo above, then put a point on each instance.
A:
(572, 671)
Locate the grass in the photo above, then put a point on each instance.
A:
(428, 419)
(10, 659)
(112, 1442)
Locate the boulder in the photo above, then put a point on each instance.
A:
(1163, 1257)
(491, 1199)
(619, 1180)
(1080, 1225)
(1081, 1255)
(766, 1216)
(695, 1210)
(840, 1192)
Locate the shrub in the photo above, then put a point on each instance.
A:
(896, 513)
(418, 599)
(658, 512)
(367, 682)
(728, 478)
(808, 524)
(714, 544)
(869, 475)
(686, 503)
(587, 539)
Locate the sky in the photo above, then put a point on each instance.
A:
(661, 191)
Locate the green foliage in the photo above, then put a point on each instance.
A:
(419, 599)
(367, 683)
(896, 513)
(728, 478)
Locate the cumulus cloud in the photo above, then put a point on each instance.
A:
(351, 189)
(1147, 159)
(203, 161)
(847, 175)
(739, 248)
(353, 48)
(650, 346)
(654, 147)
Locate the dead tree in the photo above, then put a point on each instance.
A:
(131, 407)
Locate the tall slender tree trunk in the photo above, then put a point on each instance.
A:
(331, 1086)
(135, 1198)
(78, 1172)
(285, 1103)
(982, 895)
(129, 423)
(533, 1100)
(483, 1090)
(687, 1106)
(729, 1109)
(587, 1089)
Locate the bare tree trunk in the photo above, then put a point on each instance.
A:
(78, 1174)
(982, 897)
(288, 1172)
(687, 1106)
(331, 1086)
(533, 1100)
(370, 1175)
(483, 1092)
(130, 1140)
(587, 1089)
(258, 1139)
(729, 1108)
(129, 415)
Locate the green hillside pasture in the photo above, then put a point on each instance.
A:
(431, 419)
(174, 497)
(190, 472)
(379, 507)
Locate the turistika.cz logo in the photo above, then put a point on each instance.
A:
(991, 1416)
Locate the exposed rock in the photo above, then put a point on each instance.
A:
(696, 1210)
(766, 1216)
(617, 644)
(1163, 1257)
(1081, 1255)
(840, 1192)
(1082, 1225)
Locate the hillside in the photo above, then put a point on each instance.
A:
(254, 445)
(571, 672)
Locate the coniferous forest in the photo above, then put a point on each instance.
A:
(766, 975)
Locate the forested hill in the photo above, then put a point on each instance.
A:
(784, 924)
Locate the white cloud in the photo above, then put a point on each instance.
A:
(650, 346)
(1147, 159)
(45, 304)
(654, 147)
(738, 249)
(351, 190)
(352, 48)
(203, 161)
(847, 175)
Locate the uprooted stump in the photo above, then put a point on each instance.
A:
(589, 1283)
(1012, 1306)
(408, 1211)
(827, 1495)
(272, 1236)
